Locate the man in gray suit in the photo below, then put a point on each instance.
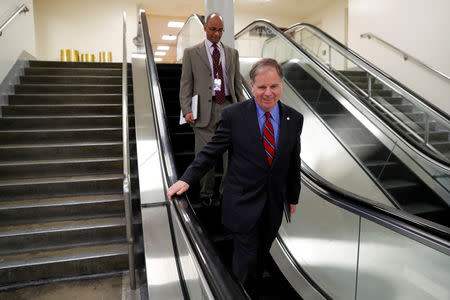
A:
(211, 71)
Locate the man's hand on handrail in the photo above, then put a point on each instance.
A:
(178, 188)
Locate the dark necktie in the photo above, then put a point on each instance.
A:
(269, 139)
(220, 95)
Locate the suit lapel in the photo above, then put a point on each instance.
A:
(227, 52)
(201, 52)
(282, 131)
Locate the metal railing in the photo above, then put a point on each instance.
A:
(126, 160)
(405, 55)
(21, 9)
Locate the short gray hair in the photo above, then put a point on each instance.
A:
(262, 64)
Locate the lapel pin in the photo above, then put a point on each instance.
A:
(288, 118)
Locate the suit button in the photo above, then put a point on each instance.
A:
(209, 100)
(209, 88)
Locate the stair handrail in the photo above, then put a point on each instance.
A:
(22, 9)
(126, 160)
(405, 55)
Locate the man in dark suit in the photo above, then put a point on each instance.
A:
(262, 137)
(211, 71)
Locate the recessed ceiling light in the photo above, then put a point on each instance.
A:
(162, 47)
(175, 24)
(158, 59)
(169, 37)
(160, 53)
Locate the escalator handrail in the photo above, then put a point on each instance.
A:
(196, 17)
(426, 232)
(221, 282)
(443, 165)
(430, 105)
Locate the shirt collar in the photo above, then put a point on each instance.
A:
(274, 113)
(210, 45)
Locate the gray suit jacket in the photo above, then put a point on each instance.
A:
(196, 80)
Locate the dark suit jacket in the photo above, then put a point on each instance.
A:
(196, 80)
(251, 181)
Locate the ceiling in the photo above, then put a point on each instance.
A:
(161, 12)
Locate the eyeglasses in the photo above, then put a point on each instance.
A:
(214, 29)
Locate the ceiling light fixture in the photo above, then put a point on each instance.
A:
(175, 24)
(163, 47)
(158, 59)
(160, 53)
(168, 37)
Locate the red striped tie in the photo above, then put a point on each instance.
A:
(269, 139)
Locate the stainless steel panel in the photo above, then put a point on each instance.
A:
(292, 274)
(162, 275)
(323, 239)
(392, 266)
(150, 175)
(192, 273)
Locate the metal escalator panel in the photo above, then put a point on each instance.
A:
(424, 125)
(377, 166)
(335, 248)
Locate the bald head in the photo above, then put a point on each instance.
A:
(214, 27)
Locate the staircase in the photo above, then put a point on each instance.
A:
(61, 202)
(403, 186)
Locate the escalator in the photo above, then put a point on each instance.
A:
(405, 189)
(416, 119)
(338, 245)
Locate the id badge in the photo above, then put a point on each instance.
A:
(217, 84)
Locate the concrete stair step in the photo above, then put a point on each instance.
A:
(63, 263)
(21, 152)
(67, 135)
(62, 122)
(60, 234)
(66, 99)
(61, 167)
(69, 89)
(61, 64)
(72, 79)
(64, 110)
(73, 71)
(62, 186)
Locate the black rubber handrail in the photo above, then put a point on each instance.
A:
(222, 284)
(412, 144)
(426, 102)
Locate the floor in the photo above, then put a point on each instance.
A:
(109, 288)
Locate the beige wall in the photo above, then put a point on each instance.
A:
(86, 25)
(421, 28)
(331, 19)
(18, 35)
(242, 19)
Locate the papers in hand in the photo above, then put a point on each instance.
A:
(287, 211)
(194, 108)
